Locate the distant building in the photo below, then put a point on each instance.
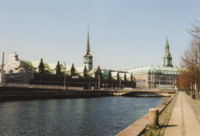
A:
(164, 77)
(18, 71)
(39, 72)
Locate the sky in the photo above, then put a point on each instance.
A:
(123, 33)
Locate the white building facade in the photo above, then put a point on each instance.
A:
(164, 77)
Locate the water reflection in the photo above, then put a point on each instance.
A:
(72, 117)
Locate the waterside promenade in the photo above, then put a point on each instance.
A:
(141, 128)
(183, 121)
(180, 116)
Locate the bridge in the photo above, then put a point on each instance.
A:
(144, 93)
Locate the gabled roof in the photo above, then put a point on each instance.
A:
(80, 70)
(114, 75)
(34, 66)
(66, 69)
(28, 65)
(121, 75)
(92, 72)
(155, 69)
(106, 74)
(128, 76)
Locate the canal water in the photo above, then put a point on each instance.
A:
(104, 116)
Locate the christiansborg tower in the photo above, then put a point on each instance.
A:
(167, 58)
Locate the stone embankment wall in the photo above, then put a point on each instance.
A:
(140, 127)
(27, 91)
(16, 93)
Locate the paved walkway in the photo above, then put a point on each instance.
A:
(183, 121)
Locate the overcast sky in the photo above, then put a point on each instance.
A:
(123, 33)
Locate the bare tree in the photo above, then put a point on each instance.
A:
(195, 31)
(191, 60)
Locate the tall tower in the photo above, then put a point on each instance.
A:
(167, 58)
(88, 58)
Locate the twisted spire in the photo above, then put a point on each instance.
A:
(88, 43)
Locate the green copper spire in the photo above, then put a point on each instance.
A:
(167, 58)
(88, 58)
(88, 43)
(167, 48)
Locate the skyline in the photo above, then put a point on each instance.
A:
(127, 34)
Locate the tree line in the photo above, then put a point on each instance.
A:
(189, 79)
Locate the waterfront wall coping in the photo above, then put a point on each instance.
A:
(139, 126)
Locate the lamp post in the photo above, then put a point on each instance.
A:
(2, 69)
(89, 85)
(64, 75)
(120, 83)
(99, 82)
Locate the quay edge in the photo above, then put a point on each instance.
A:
(139, 126)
